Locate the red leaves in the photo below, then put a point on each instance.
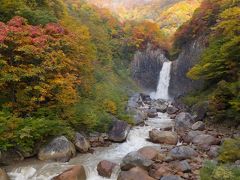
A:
(38, 36)
(17, 21)
(55, 29)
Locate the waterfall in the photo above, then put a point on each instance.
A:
(163, 83)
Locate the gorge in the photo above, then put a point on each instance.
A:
(119, 90)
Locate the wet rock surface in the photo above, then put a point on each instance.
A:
(105, 168)
(135, 159)
(119, 131)
(74, 173)
(163, 137)
(58, 149)
(81, 143)
(135, 173)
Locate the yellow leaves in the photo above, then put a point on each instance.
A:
(110, 106)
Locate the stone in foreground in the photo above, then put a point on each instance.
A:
(135, 159)
(119, 131)
(135, 173)
(163, 137)
(182, 152)
(149, 152)
(81, 143)
(59, 149)
(105, 168)
(75, 173)
(199, 125)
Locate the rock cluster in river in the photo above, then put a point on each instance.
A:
(172, 160)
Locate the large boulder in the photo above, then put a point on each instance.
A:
(183, 121)
(59, 149)
(139, 117)
(97, 139)
(135, 159)
(81, 143)
(119, 131)
(181, 166)
(182, 152)
(163, 137)
(160, 105)
(152, 113)
(135, 173)
(3, 175)
(10, 156)
(105, 168)
(199, 125)
(199, 110)
(149, 152)
(74, 173)
(213, 151)
(205, 140)
(172, 110)
(191, 135)
(159, 170)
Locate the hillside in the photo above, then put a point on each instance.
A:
(170, 15)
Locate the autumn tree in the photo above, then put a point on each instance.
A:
(37, 68)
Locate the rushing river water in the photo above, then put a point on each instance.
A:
(136, 139)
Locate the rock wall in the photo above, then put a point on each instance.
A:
(146, 66)
(190, 55)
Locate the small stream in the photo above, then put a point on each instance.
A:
(136, 139)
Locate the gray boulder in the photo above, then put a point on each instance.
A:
(59, 149)
(182, 152)
(182, 166)
(10, 156)
(183, 121)
(172, 110)
(135, 159)
(81, 143)
(191, 135)
(205, 140)
(199, 125)
(199, 110)
(119, 131)
(139, 117)
(152, 113)
(213, 151)
(163, 137)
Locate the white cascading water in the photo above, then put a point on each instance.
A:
(163, 83)
(137, 138)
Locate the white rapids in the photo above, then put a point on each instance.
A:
(163, 83)
(137, 139)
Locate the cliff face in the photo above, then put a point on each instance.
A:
(146, 67)
(190, 55)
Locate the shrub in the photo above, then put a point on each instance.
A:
(212, 171)
(229, 151)
(24, 134)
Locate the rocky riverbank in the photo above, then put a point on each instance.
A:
(181, 149)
